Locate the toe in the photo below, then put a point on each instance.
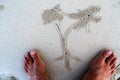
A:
(114, 61)
(25, 65)
(113, 66)
(29, 58)
(112, 72)
(110, 58)
(26, 61)
(26, 69)
(36, 57)
(105, 54)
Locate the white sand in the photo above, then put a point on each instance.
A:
(22, 29)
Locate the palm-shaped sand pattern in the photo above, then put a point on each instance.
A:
(51, 15)
(83, 17)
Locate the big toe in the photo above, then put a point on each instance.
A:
(105, 54)
(36, 57)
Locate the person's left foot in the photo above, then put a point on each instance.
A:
(34, 66)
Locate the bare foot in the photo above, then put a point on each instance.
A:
(34, 66)
(102, 67)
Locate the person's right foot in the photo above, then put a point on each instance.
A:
(102, 67)
(35, 67)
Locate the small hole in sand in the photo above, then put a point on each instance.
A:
(1, 7)
(7, 77)
(11, 78)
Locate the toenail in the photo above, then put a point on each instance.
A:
(108, 52)
(32, 52)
